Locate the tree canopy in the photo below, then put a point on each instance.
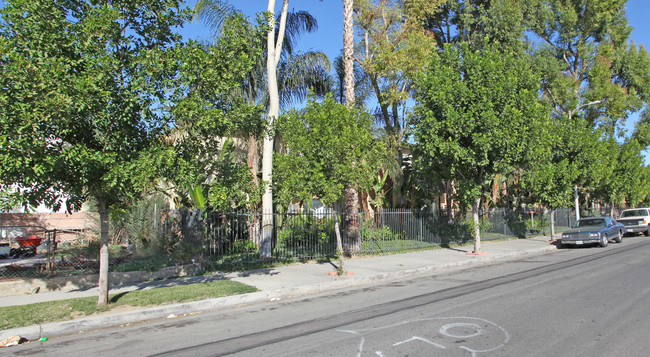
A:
(476, 111)
(328, 146)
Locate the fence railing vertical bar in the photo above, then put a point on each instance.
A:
(420, 223)
(383, 231)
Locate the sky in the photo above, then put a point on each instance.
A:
(329, 14)
(637, 16)
(329, 36)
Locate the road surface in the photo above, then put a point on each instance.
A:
(586, 301)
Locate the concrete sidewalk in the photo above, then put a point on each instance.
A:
(280, 283)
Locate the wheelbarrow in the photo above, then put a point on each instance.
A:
(27, 246)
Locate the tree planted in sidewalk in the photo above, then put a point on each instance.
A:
(475, 113)
(328, 147)
(83, 97)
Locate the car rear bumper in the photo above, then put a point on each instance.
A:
(635, 229)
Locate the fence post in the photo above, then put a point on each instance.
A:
(421, 238)
(480, 231)
(381, 223)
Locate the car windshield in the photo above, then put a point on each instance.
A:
(598, 222)
(635, 213)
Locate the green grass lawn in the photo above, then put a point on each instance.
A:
(39, 313)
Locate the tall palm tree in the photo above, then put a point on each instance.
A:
(348, 50)
(297, 72)
(282, 77)
(351, 194)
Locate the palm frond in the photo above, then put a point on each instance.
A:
(301, 73)
(362, 87)
(298, 23)
(213, 13)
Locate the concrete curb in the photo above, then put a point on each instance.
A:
(35, 332)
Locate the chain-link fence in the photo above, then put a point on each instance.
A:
(34, 252)
(524, 222)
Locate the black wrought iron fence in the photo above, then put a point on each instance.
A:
(234, 238)
(227, 238)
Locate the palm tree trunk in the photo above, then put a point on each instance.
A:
(253, 165)
(352, 196)
(273, 56)
(348, 51)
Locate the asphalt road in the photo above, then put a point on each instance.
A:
(586, 301)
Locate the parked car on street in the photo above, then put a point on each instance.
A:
(593, 230)
(635, 220)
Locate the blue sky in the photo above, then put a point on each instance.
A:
(637, 15)
(328, 13)
(329, 37)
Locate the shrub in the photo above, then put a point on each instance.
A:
(370, 233)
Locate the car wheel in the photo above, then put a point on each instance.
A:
(619, 237)
(604, 241)
(646, 233)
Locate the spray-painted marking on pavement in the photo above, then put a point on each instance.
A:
(441, 336)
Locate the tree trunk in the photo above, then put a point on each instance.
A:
(253, 159)
(348, 51)
(103, 253)
(577, 202)
(552, 224)
(352, 196)
(274, 47)
(351, 220)
(339, 244)
(477, 228)
(396, 195)
(449, 202)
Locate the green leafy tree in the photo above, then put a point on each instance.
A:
(328, 147)
(561, 156)
(621, 181)
(589, 68)
(200, 152)
(591, 75)
(281, 76)
(642, 192)
(475, 113)
(477, 22)
(642, 129)
(393, 48)
(501, 23)
(83, 94)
